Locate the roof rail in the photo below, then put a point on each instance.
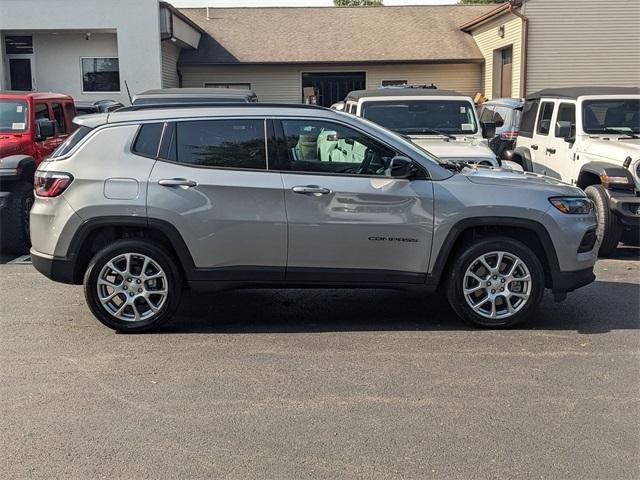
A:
(432, 86)
(151, 106)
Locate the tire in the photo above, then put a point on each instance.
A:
(608, 227)
(120, 265)
(15, 219)
(491, 249)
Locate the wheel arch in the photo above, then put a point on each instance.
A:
(523, 154)
(530, 232)
(96, 233)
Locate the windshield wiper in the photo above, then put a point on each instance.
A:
(620, 131)
(426, 130)
(454, 166)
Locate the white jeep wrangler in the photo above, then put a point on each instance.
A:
(590, 137)
(443, 122)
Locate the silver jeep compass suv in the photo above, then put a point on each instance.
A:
(138, 203)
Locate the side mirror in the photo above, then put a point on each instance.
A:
(45, 128)
(488, 129)
(402, 167)
(564, 130)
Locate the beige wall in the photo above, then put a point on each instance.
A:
(583, 42)
(282, 83)
(487, 38)
(170, 54)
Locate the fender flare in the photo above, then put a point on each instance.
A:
(525, 154)
(17, 166)
(605, 169)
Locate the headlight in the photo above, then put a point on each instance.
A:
(572, 205)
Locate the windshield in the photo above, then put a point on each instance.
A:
(611, 116)
(428, 117)
(13, 116)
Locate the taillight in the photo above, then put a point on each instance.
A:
(509, 136)
(51, 184)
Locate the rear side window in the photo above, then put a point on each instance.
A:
(232, 143)
(148, 140)
(58, 115)
(529, 112)
(544, 122)
(70, 142)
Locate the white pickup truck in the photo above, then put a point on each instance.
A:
(589, 137)
(443, 122)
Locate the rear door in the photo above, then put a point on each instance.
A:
(348, 219)
(212, 184)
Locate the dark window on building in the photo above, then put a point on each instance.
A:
(567, 113)
(233, 143)
(529, 112)
(18, 44)
(58, 115)
(148, 139)
(41, 111)
(100, 74)
(544, 122)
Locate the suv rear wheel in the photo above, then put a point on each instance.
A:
(496, 282)
(15, 219)
(132, 286)
(608, 227)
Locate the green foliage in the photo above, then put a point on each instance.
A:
(357, 3)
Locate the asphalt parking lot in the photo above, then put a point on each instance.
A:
(321, 384)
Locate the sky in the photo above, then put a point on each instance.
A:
(290, 3)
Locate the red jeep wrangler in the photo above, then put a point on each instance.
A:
(32, 125)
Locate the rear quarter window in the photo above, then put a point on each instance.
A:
(70, 142)
(147, 141)
(528, 121)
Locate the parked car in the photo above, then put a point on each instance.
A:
(589, 137)
(505, 113)
(442, 121)
(339, 106)
(176, 96)
(289, 196)
(101, 106)
(32, 125)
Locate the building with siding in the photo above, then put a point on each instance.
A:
(534, 44)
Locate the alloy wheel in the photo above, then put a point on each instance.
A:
(497, 285)
(132, 287)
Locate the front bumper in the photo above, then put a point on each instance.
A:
(564, 282)
(56, 268)
(626, 206)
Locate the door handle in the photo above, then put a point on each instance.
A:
(534, 147)
(551, 150)
(177, 182)
(314, 190)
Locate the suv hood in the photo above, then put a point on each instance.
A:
(454, 149)
(504, 177)
(614, 149)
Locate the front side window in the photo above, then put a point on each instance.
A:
(544, 122)
(58, 115)
(13, 116)
(100, 74)
(423, 116)
(567, 113)
(42, 111)
(332, 148)
(232, 143)
(487, 114)
(611, 116)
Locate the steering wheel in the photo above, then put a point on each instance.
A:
(368, 158)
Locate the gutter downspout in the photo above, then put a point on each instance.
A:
(525, 47)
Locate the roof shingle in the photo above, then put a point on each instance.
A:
(334, 35)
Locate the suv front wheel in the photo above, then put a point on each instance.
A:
(132, 286)
(608, 227)
(496, 282)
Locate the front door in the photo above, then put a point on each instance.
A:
(506, 73)
(348, 219)
(215, 190)
(542, 140)
(21, 73)
(560, 151)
